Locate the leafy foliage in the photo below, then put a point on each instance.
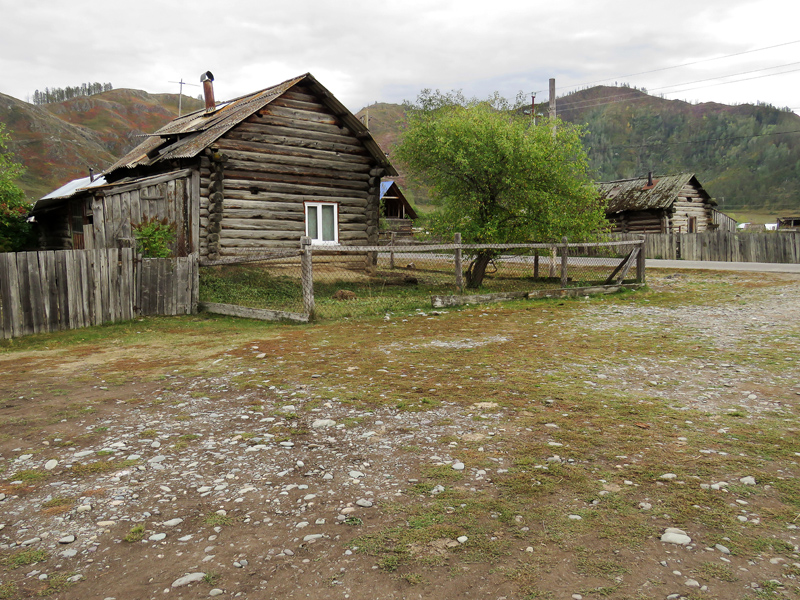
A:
(154, 237)
(499, 178)
(15, 231)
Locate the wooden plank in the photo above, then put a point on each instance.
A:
(148, 181)
(195, 282)
(112, 206)
(7, 316)
(53, 294)
(252, 313)
(36, 298)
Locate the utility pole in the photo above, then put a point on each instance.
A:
(180, 93)
(533, 109)
(552, 104)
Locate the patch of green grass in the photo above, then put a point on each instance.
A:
(217, 520)
(148, 434)
(8, 590)
(58, 501)
(26, 557)
(211, 578)
(100, 466)
(442, 473)
(55, 583)
(136, 534)
(710, 570)
(29, 476)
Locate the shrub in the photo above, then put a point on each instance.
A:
(154, 237)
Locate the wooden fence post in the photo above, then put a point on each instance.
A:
(536, 264)
(307, 275)
(458, 266)
(391, 250)
(564, 261)
(640, 262)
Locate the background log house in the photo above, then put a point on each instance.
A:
(662, 204)
(242, 176)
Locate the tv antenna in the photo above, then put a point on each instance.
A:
(182, 83)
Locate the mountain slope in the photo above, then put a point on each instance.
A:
(732, 149)
(60, 141)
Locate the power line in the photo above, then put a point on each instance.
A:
(696, 62)
(740, 137)
(595, 102)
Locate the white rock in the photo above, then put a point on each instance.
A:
(51, 464)
(323, 423)
(67, 539)
(157, 537)
(458, 466)
(68, 553)
(312, 537)
(668, 476)
(364, 503)
(575, 517)
(675, 536)
(216, 591)
(172, 522)
(462, 539)
(692, 583)
(355, 474)
(748, 480)
(187, 579)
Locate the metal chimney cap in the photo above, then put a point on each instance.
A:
(207, 76)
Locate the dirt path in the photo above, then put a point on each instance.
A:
(308, 462)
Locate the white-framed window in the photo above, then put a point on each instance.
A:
(322, 222)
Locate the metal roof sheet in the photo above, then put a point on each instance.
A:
(187, 136)
(635, 194)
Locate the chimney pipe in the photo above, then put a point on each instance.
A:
(91, 174)
(207, 79)
(649, 179)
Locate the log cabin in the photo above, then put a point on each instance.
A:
(257, 172)
(396, 211)
(665, 204)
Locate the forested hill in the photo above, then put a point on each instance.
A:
(59, 141)
(630, 133)
(738, 152)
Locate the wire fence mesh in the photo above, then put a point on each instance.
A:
(372, 280)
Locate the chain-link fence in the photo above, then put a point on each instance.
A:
(352, 281)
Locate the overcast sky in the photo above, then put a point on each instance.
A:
(387, 51)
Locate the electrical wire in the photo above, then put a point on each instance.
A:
(740, 137)
(696, 62)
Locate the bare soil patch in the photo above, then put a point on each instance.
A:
(529, 450)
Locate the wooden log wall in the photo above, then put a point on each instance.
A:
(259, 175)
(690, 203)
(68, 289)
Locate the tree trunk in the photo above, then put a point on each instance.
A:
(477, 270)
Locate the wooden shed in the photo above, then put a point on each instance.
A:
(252, 173)
(662, 204)
(396, 212)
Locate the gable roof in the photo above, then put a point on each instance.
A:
(189, 135)
(386, 186)
(635, 194)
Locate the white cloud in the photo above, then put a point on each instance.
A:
(367, 51)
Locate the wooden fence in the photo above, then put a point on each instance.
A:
(68, 289)
(766, 247)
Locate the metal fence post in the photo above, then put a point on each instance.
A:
(564, 261)
(640, 263)
(458, 266)
(307, 275)
(391, 251)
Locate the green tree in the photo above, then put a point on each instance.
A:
(15, 231)
(499, 179)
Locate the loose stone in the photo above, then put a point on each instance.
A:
(187, 579)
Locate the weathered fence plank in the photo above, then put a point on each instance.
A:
(724, 246)
(47, 291)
